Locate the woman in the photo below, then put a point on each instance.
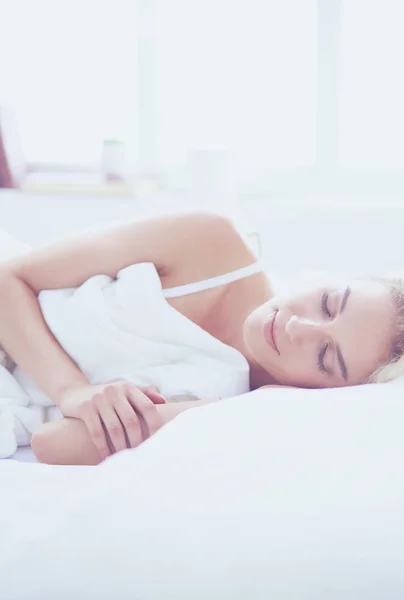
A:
(325, 337)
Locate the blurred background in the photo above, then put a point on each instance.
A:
(287, 111)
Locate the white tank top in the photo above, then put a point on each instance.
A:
(212, 282)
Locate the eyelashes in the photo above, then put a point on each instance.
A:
(324, 305)
(326, 312)
(320, 361)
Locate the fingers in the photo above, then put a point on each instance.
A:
(92, 420)
(119, 417)
(145, 408)
(153, 393)
(122, 416)
(129, 420)
(107, 406)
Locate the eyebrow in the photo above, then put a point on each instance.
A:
(341, 361)
(342, 364)
(345, 299)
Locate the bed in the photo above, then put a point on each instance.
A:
(286, 494)
(24, 454)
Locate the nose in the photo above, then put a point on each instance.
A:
(303, 330)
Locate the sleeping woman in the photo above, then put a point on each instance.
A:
(324, 336)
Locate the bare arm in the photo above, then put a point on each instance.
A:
(172, 243)
(67, 442)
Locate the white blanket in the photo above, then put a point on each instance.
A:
(282, 493)
(122, 329)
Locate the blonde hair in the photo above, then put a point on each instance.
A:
(394, 367)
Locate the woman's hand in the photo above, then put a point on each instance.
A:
(68, 442)
(117, 415)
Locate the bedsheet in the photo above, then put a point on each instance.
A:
(282, 493)
(24, 454)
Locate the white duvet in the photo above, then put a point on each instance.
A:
(121, 328)
(282, 493)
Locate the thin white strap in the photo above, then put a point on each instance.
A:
(213, 282)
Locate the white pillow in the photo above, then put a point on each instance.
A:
(283, 494)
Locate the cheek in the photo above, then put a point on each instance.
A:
(297, 369)
(252, 332)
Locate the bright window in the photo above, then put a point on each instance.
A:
(239, 76)
(372, 84)
(69, 69)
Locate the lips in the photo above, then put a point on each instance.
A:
(270, 331)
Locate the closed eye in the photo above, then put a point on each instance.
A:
(320, 360)
(324, 305)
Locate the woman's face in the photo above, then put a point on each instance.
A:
(326, 336)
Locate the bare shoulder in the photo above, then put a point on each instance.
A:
(209, 225)
(215, 243)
